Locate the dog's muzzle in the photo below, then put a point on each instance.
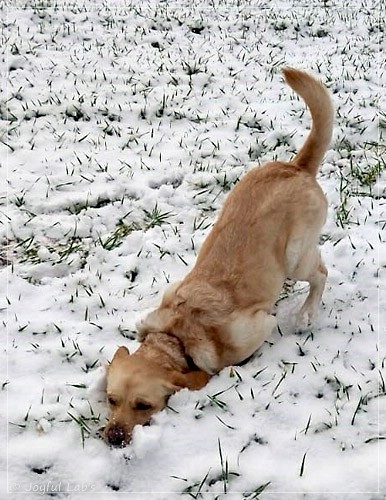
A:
(116, 436)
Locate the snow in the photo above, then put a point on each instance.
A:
(123, 126)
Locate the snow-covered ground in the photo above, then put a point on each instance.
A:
(123, 125)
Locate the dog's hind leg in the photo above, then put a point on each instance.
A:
(311, 268)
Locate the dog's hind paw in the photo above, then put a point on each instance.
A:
(304, 320)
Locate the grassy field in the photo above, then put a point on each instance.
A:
(123, 126)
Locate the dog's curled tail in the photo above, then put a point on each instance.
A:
(317, 98)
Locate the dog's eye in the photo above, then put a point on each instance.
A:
(112, 401)
(143, 406)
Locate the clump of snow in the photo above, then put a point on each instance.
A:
(145, 440)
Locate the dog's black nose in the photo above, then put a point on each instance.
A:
(116, 436)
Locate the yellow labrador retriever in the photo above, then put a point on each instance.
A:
(221, 312)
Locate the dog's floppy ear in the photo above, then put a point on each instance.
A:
(193, 380)
(121, 353)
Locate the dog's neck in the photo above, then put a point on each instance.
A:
(167, 349)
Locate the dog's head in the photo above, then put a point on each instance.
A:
(138, 387)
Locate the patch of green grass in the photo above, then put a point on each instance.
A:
(116, 238)
(357, 181)
(155, 217)
(209, 484)
(367, 176)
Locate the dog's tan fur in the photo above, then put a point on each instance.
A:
(221, 312)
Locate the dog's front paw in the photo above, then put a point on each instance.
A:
(205, 357)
